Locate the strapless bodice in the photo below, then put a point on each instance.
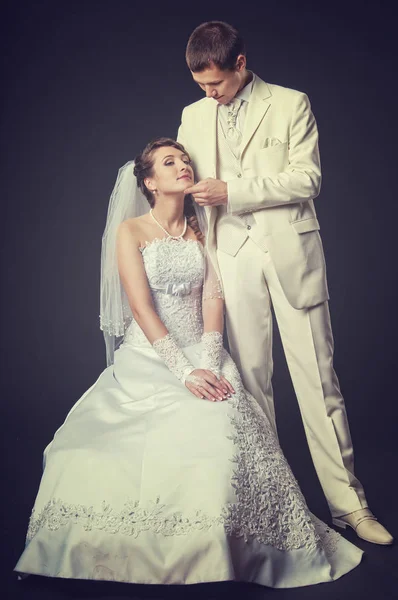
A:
(175, 271)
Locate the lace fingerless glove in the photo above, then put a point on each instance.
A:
(212, 351)
(173, 357)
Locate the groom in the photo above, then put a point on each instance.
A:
(255, 150)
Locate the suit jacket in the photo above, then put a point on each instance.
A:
(279, 177)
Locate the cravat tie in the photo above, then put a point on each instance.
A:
(233, 107)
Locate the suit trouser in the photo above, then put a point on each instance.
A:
(250, 286)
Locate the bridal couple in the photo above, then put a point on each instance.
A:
(168, 470)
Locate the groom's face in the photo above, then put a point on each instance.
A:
(221, 85)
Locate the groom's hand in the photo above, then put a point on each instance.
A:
(209, 192)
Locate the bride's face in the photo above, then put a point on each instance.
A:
(172, 171)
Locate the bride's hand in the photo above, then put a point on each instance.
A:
(204, 384)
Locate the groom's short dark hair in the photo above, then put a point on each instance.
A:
(214, 42)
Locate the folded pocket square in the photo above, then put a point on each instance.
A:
(271, 142)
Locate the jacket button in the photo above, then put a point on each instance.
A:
(239, 175)
(249, 227)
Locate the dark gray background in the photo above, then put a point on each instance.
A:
(87, 85)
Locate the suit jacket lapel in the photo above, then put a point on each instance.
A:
(209, 151)
(209, 136)
(258, 106)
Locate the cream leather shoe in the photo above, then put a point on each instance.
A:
(366, 526)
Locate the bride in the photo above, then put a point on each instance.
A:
(166, 471)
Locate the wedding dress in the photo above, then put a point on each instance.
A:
(146, 483)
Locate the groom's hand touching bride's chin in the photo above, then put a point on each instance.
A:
(209, 192)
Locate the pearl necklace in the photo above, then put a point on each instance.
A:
(173, 237)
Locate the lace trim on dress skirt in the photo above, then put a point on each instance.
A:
(269, 507)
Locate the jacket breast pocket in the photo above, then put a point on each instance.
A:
(272, 159)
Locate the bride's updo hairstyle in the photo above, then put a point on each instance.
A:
(143, 168)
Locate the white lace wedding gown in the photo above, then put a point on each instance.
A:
(146, 483)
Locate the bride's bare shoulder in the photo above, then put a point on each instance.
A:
(137, 222)
(133, 229)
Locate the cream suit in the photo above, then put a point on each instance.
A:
(267, 248)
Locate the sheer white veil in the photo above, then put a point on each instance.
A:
(126, 201)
